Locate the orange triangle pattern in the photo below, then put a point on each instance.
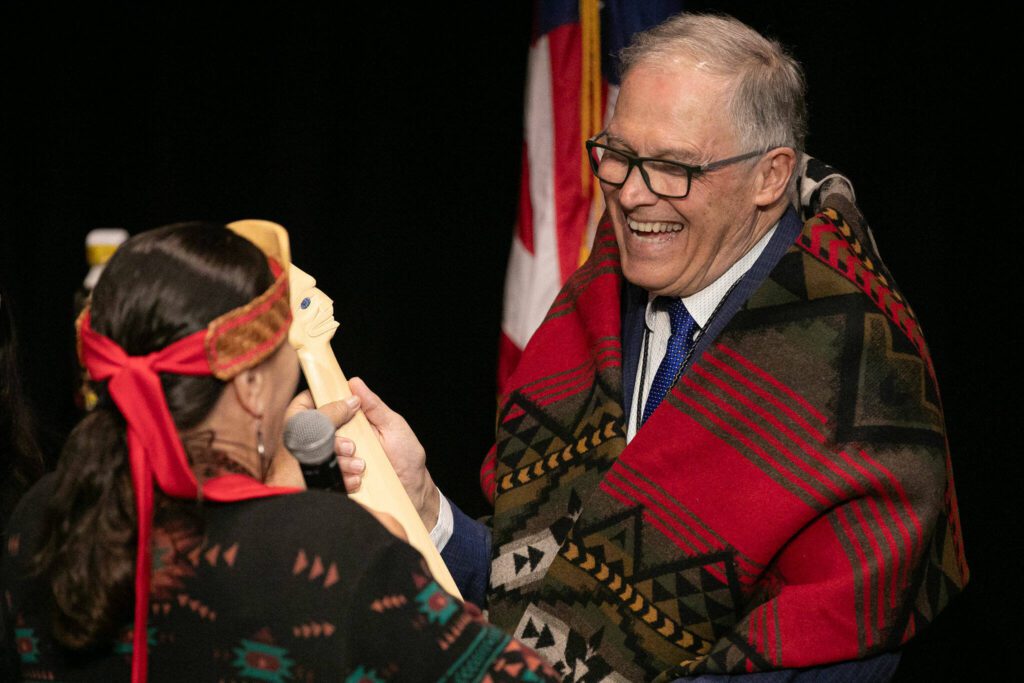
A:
(314, 629)
(204, 611)
(301, 562)
(388, 602)
(332, 576)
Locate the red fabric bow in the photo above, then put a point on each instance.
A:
(154, 448)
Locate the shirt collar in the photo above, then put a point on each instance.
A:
(702, 305)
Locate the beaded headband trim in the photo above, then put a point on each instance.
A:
(243, 337)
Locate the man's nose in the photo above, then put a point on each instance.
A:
(634, 191)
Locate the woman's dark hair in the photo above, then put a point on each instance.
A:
(159, 286)
(21, 461)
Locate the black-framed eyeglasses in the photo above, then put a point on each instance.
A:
(668, 179)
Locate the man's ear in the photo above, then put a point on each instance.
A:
(774, 173)
(250, 389)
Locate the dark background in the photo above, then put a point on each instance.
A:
(388, 144)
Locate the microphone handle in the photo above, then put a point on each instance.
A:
(326, 475)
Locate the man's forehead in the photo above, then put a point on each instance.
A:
(666, 150)
(676, 111)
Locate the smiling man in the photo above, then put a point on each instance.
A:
(723, 452)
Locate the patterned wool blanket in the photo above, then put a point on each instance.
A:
(789, 504)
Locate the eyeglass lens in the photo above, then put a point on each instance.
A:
(661, 177)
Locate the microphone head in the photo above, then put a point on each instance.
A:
(309, 436)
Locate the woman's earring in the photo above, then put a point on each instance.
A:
(265, 463)
(260, 449)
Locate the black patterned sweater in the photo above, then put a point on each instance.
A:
(306, 587)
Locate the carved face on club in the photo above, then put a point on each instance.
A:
(312, 310)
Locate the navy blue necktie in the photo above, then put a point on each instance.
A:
(679, 345)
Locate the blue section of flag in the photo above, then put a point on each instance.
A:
(620, 19)
(550, 14)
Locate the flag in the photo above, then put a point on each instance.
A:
(571, 84)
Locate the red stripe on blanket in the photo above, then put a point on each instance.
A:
(879, 562)
(785, 472)
(756, 410)
(892, 562)
(508, 355)
(904, 532)
(712, 359)
(567, 385)
(665, 530)
(752, 631)
(556, 382)
(898, 487)
(681, 533)
(863, 571)
(912, 541)
(680, 540)
(572, 381)
(487, 480)
(646, 494)
(776, 635)
(900, 575)
(673, 506)
(707, 475)
(751, 367)
(847, 478)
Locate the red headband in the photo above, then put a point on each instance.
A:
(233, 342)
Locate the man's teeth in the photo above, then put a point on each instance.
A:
(637, 226)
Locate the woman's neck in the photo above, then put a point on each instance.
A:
(212, 455)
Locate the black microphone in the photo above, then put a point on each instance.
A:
(309, 436)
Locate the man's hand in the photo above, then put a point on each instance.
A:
(403, 450)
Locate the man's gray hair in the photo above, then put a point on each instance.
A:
(767, 93)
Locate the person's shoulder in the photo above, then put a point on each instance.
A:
(313, 513)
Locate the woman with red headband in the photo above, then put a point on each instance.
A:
(159, 549)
